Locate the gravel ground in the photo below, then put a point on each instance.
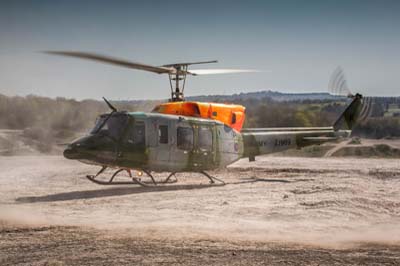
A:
(277, 210)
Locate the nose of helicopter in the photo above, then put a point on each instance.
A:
(77, 149)
(71, 153)
(89, 148)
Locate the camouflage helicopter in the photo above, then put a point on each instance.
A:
(184, 136)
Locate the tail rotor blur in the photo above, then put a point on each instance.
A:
(338, 87)
(338, 83)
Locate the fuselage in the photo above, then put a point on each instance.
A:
(175, 143)
(158, 142)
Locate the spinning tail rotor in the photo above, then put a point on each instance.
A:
(338, 83)
(360, 108)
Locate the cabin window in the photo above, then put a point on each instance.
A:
(185, 138)
(163, 134)
(205, 138)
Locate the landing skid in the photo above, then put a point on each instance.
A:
(137, 181)
(211, 178)
(134, 180)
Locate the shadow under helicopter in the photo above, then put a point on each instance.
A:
(121, 191)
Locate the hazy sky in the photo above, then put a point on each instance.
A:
(299, 42)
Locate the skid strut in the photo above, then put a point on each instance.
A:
(111, 181)
(151, 176)
(134, 180)
(169, 177)
(212, 179)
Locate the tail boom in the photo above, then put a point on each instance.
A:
(258, 141)
(265, 142)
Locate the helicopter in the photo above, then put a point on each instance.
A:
(188, 136)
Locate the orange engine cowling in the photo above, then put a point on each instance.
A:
(232, 115)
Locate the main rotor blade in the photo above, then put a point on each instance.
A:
(114, 61)
(190, 63)
(196, 72)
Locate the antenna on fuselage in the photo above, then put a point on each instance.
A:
(110, 105)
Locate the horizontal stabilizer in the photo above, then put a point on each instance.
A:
(317, 140)
(320, 138)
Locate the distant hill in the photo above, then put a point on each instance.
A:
(272, 95)
(239, 97)
(390, 106)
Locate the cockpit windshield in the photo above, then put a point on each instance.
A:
(111, 126)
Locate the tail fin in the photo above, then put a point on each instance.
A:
(351, 114)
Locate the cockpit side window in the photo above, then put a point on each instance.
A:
(185, 138)
(112, 126)
(99, 121)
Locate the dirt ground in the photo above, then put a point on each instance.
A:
(277, 210)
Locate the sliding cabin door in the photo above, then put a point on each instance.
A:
(194, 147)
(182, 146)
(163, 142)
(204, 150)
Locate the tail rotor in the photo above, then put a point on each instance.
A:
(359, 109)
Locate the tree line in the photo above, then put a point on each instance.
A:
(62, 118)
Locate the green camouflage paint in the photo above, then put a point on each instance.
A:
(228, 144)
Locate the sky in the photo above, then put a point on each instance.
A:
(296, 43)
